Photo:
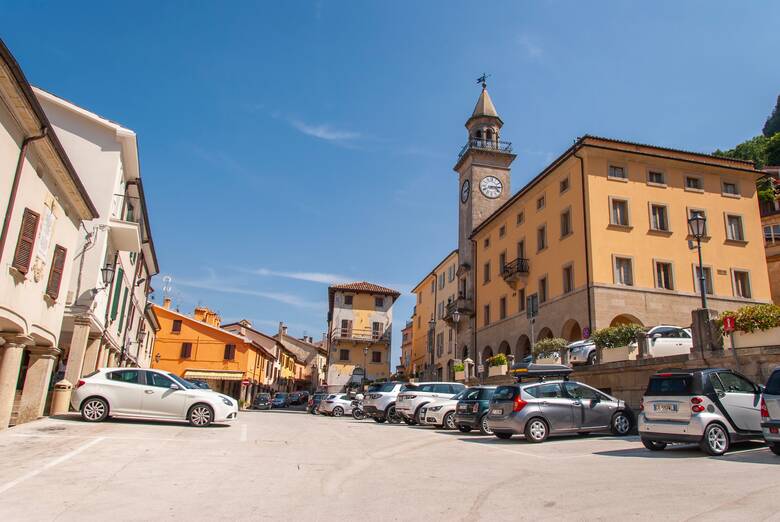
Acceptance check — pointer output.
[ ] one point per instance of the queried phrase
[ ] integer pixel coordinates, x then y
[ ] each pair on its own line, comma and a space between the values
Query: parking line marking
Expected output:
59, 460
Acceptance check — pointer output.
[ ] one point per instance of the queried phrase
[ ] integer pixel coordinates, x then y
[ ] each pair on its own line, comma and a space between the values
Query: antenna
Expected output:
167, 286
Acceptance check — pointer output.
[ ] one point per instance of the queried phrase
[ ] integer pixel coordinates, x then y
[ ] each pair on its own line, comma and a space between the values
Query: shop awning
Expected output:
216, 375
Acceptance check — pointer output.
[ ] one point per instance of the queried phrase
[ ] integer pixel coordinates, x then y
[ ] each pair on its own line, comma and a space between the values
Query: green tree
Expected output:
772, 125
773, 150
753, 150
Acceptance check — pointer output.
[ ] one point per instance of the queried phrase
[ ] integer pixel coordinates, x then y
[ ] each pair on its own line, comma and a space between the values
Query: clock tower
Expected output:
483, 169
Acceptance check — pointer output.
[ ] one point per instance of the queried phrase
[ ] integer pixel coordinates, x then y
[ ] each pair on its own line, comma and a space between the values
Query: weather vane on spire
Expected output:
483, 80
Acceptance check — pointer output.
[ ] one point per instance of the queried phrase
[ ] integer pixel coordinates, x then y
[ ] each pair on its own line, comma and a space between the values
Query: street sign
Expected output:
586, 333
480, 368
729, 323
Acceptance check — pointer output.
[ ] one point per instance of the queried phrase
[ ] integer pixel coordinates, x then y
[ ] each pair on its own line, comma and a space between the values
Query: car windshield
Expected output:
384, 387
773, 384
670, 385
504, 393
280, 396
408, 387
472, 394
184, 382
460, 395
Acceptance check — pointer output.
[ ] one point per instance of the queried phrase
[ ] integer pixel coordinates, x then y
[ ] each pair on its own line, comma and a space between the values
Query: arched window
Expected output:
478, 135
489, 134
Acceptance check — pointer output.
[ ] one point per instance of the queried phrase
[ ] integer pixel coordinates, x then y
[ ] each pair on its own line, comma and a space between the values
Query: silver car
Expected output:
557, 407
336, 405
712, 407
770, 412
582, 352
409, 403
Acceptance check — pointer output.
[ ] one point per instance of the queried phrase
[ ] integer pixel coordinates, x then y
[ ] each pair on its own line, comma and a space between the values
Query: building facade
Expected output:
268, 380
310, 356
360, 321
407, 336
43, 205
770, 221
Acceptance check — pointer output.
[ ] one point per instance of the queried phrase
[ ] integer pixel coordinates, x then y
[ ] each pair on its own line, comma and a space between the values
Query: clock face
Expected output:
465, 190
491, 187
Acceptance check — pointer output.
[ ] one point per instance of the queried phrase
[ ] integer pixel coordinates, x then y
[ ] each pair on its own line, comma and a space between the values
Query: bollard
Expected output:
60, 400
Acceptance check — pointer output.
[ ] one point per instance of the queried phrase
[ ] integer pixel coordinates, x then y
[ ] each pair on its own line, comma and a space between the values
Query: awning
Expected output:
217, 375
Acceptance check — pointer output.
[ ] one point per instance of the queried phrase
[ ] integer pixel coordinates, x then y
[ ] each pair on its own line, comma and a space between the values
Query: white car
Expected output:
582, 352
414, 396
154, 394
663, 340
336, 405
441, 412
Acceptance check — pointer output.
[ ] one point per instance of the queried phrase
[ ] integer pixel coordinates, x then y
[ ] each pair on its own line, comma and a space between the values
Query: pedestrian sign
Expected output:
729, 323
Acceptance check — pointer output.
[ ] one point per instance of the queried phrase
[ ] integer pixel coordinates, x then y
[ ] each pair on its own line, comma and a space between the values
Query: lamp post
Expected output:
456, 320
697, 226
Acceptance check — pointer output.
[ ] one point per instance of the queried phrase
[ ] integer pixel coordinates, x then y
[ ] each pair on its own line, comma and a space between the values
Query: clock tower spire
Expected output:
483, 169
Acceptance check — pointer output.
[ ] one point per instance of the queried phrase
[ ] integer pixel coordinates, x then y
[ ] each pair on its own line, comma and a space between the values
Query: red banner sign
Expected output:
729, 323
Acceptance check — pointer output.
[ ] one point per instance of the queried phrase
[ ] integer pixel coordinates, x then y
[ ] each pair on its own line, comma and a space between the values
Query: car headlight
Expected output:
227, 401
434, 408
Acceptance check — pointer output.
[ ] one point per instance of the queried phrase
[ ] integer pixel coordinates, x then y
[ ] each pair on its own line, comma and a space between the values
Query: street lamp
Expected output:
697, 226
107, 272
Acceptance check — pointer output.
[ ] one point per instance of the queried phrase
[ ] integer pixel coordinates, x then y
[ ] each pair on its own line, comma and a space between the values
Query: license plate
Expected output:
773, 430
665, 407
462, 407
496, 411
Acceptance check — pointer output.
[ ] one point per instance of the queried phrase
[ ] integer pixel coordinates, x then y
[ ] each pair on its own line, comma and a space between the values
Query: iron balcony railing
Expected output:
489, 145
360, 334
515, 269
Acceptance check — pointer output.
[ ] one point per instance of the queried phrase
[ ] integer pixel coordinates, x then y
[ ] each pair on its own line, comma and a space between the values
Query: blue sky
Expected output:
285, 145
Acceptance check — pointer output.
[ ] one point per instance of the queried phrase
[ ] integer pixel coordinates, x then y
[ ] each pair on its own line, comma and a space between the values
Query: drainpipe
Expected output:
15, 187
587, 243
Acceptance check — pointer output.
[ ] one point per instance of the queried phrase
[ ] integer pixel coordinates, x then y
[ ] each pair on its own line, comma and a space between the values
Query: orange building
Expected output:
196, 348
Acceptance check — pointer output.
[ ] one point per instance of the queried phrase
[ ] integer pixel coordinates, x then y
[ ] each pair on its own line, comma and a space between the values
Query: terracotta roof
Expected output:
363, 286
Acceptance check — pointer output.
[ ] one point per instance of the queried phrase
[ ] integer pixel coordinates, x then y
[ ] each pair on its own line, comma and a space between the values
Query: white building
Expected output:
106, 321
43, 204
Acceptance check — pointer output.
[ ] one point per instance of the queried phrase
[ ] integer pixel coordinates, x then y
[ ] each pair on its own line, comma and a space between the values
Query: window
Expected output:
230, 352
566, 223
346, 328
733, 383
348, 300
568, 279
734, 230
117, 293
502, 231
28, 230
540, 203
543, 289
186, 350
122, 313
564, 185
158, 380
376, 330
521, 249
693, 183
439, 344
379, 302
659, 219
486, 273
521, 300
656, 176
545, 391
624, 271
520, 218
541, 238
486, 314
376, 357
501, 262
694, 212
451, 273
55, 274
742, 284
502, 308
486, 242
730, 188
772, 234
442, 280
343, 355
617, 172
129, 376
619, 212
433, 285
176, 326
707, 279
663, 275
578, 391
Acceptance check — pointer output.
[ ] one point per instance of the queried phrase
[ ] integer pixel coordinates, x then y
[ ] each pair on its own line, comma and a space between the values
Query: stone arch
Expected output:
625, 319
571, 330
505, 348
544, 333
522, 348
487, 352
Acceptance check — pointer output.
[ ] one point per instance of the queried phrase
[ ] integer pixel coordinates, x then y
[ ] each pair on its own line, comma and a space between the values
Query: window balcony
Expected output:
462, 305
487, 145
125, 235
360, 335
515, 271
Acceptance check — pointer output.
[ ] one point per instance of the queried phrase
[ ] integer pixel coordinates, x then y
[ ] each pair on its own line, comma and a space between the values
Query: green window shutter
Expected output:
122, 315
117, 291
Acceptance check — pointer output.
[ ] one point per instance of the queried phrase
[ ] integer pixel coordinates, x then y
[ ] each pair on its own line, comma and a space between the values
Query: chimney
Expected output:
167, 303
200, 313
282, 329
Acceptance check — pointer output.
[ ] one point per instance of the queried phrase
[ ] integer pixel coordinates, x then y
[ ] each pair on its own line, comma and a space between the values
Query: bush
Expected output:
616, 336
549, 346
459, 367
498, 360
753, 318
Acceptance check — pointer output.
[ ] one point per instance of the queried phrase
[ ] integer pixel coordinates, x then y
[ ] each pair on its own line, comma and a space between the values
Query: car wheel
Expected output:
715, 440
418, 411
536, 430
379, 420
409, 422
591, 358
338, 411
775, 448
621, 424
94, 409
503, 436
392, 416
484, 427
200, 415
464, 429
653, 445
449, 421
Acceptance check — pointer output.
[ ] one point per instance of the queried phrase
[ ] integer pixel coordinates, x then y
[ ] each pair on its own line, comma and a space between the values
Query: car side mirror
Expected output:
175, 386
760, 388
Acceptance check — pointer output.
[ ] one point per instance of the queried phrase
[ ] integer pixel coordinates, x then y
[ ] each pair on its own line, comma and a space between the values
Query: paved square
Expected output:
287, 465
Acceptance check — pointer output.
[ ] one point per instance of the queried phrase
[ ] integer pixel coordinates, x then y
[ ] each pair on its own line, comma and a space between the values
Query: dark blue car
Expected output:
280, 400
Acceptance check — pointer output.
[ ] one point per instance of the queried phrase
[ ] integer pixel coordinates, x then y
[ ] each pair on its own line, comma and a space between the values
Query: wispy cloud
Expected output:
532, 49
324, 132
313, 277
215, 285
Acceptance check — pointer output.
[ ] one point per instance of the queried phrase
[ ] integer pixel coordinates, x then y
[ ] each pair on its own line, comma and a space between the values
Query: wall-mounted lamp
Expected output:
107, 272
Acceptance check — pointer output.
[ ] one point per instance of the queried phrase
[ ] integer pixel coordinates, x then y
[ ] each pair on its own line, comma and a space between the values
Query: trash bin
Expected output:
60, 400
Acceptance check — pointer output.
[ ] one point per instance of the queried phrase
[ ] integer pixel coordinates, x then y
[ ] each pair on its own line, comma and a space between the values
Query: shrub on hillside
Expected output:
616, 336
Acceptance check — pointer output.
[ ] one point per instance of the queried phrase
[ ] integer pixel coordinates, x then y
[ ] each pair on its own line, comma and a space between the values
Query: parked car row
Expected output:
713, 407
663, 340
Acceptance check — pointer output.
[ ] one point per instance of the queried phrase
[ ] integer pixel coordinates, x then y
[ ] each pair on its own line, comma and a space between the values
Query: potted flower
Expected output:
755, 325
548, 351
498, 365
460, 372
616, 343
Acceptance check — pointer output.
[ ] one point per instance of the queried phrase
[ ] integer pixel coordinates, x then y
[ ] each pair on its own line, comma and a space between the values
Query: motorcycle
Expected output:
357, 410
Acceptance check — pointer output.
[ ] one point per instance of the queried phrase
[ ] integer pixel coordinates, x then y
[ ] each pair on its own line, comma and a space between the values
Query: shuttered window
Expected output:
24, 246
186, 350
117, 293
122, 314
230, 352
55, 274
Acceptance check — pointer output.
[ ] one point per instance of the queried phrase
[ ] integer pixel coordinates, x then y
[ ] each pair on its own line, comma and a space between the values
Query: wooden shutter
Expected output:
24, 246
186, 350
230, 352
55, 274
117, 291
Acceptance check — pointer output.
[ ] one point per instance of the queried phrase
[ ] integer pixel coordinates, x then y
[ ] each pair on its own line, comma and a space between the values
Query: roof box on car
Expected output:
539, 371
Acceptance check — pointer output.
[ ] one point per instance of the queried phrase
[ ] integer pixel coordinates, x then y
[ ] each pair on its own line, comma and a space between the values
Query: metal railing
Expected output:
483, 144
462, 305
518, 267
360, 334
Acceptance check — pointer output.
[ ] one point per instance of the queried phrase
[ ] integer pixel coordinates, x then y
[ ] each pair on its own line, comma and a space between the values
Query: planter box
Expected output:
548, 359
624, 353
497, 370
460, 376
769, 337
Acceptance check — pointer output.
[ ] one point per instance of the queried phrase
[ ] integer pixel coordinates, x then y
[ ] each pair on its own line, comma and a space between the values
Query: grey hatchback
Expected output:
540, 409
